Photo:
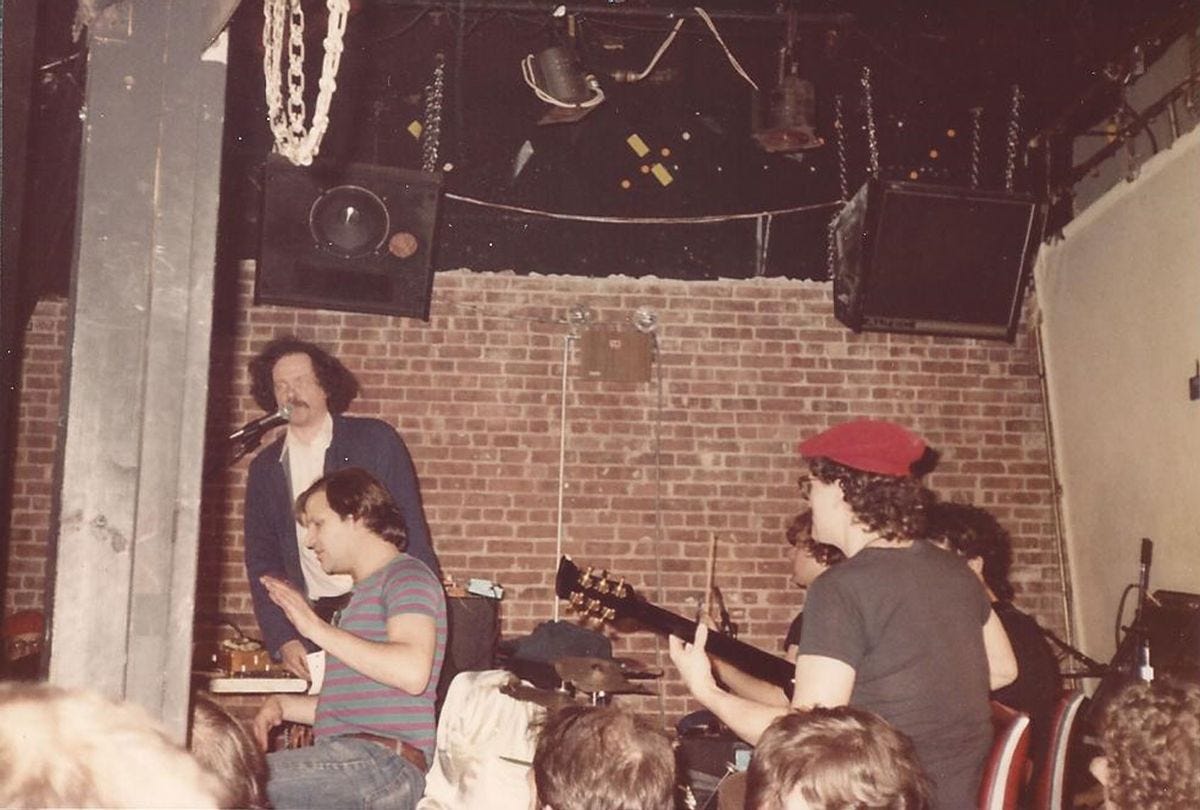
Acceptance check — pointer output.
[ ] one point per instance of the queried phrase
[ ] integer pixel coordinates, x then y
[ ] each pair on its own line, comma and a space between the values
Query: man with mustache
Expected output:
319, 439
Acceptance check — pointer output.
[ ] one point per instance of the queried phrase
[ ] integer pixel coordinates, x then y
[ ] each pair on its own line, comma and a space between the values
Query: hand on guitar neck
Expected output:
606, 599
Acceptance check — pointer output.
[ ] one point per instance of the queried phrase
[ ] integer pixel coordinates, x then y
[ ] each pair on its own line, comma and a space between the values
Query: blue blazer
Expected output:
270, 523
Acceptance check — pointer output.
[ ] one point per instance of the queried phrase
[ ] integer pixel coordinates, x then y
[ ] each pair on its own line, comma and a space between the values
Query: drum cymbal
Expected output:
548, 698
594, 675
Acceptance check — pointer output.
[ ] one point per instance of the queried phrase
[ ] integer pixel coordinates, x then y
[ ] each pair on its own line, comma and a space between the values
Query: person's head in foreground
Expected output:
1151, 739
864, 487
225, 749
834, 759
602, 758
66, 748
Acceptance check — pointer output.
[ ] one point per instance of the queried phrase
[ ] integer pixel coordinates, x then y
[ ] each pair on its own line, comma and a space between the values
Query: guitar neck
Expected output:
751, 660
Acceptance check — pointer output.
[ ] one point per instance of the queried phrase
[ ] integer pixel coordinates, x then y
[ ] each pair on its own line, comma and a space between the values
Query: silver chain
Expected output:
839, 131
1014, 132
976, 134
293, 138
872, 139
432, 131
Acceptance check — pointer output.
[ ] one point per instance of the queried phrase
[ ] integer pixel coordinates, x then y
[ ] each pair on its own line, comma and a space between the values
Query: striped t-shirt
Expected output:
352, 703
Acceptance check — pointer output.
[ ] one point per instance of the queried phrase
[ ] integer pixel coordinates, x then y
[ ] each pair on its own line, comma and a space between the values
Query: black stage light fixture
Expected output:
357, 239
917, 258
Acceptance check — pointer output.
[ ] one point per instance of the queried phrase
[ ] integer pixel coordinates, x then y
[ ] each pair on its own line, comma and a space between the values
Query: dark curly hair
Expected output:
799, 533
337, 381
891, 506
835, 757
975, 532
1151, 735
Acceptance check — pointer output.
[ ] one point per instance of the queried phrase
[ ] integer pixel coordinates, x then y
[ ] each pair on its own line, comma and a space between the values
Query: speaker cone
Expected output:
349, 221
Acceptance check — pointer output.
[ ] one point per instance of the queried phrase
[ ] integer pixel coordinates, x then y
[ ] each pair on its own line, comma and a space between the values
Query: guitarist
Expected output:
900, 628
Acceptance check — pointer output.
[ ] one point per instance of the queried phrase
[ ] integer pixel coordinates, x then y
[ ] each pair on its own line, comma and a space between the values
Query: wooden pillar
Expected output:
137, 380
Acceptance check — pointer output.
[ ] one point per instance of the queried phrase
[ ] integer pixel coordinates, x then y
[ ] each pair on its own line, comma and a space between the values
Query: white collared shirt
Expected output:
306, 463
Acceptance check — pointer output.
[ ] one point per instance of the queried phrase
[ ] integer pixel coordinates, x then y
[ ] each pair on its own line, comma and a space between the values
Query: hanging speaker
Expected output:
357, 238
916, 258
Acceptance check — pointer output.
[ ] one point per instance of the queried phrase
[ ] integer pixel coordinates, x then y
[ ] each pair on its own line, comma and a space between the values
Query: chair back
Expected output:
1000, 788
1052, 771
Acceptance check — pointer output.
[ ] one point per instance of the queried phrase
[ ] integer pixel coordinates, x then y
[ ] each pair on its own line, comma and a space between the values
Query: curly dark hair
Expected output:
337, 381
891, 506
799, 533
353, 492
1151, 737
836, 757
975, 532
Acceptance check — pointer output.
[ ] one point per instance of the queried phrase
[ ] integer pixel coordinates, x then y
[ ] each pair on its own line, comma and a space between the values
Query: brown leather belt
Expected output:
399, 747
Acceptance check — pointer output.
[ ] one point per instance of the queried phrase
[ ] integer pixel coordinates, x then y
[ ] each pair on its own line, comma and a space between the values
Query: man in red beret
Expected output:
901, 628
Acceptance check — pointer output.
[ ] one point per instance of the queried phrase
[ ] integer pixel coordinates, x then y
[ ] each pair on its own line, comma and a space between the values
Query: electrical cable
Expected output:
728, 54
696, 220
1120, 613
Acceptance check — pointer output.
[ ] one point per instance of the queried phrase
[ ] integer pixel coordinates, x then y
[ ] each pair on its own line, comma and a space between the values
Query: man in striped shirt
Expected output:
374, 720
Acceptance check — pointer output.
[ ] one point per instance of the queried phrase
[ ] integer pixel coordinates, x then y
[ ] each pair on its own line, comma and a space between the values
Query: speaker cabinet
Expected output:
357, 239
916, 258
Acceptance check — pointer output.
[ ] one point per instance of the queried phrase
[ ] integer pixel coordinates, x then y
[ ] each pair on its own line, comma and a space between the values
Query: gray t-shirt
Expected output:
910, 622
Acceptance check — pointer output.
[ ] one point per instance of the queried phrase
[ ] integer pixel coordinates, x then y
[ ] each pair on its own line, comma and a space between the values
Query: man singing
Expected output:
319, 440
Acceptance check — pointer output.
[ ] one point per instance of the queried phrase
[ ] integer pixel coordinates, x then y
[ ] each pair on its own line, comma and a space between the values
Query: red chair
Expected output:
1002, 776
1052, 771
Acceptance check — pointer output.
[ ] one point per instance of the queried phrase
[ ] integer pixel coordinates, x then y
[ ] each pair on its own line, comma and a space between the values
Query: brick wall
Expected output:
744, 369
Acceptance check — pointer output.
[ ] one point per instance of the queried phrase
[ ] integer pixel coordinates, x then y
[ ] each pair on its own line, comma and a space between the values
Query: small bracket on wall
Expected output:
1194, 384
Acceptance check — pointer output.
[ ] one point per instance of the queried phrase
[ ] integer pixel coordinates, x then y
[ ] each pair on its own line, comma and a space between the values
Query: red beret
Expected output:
869, 445
23, 623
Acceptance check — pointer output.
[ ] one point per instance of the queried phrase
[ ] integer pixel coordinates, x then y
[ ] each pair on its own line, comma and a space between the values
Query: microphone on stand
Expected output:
256, 427
1143, 585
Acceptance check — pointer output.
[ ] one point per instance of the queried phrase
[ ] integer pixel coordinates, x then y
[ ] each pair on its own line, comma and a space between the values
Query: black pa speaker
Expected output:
917, 258
357, 238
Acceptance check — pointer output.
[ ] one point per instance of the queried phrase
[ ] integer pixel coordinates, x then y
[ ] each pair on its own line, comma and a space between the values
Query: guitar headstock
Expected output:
594, 594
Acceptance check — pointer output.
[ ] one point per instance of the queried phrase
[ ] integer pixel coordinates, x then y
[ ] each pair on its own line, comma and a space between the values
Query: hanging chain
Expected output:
432, 130
1014, 132
293, 139
872, 139
976, 135
839, 130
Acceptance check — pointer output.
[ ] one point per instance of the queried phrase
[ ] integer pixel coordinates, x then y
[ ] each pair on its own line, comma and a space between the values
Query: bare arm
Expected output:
404, 661
747, 718
822, 681
277, 709
1002, 664
745, 685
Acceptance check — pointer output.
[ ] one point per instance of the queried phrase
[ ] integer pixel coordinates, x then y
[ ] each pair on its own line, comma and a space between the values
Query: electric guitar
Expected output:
600, 597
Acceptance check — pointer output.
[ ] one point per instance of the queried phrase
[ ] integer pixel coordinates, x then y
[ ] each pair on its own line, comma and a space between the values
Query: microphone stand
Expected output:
232, 452
1092, 667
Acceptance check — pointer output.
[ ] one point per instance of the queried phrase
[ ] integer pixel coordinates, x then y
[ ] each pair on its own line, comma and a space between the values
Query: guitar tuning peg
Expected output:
576, 598
586, 576
608, 615
603, 586
593, 606
620, 590
604, 573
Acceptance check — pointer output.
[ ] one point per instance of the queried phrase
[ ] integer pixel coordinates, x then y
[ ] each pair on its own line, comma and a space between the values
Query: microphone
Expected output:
262, 424
1143, 584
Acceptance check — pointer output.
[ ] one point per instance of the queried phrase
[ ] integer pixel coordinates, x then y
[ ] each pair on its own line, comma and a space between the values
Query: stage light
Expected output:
557, 78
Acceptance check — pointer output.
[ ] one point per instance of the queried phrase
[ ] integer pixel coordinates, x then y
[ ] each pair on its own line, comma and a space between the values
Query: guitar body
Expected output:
605, 599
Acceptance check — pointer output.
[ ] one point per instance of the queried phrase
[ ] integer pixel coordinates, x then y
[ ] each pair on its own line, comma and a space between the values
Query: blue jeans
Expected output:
340, 772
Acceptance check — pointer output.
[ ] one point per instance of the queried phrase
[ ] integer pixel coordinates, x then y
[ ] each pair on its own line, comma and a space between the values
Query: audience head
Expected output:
225, 749
336, 381
64, 748
810, 558
1151, 739
603, 758
978, 536
827, 758
353, 493
872, 468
